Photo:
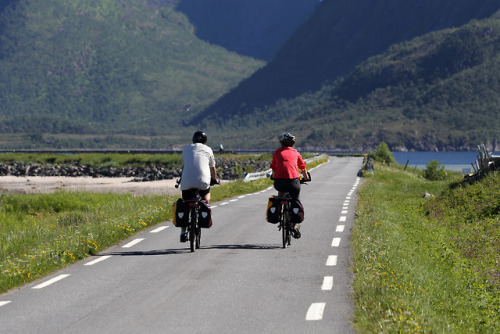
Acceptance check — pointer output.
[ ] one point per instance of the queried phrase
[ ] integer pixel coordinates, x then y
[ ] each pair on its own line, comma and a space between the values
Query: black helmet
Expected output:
287, 139
200, 137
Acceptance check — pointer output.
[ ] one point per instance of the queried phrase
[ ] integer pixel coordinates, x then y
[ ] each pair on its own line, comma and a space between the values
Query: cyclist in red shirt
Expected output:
285, 165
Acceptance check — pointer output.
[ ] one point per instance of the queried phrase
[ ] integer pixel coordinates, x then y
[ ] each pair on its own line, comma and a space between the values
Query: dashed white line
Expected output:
159, 229
133, 243
340, 228
49, 282
348, 197
233, 200
224, 203
345, 208
240, 197
336, 242
344, 212
342, 218
213, 206
102, 258
327, 283
331, 261
315, 311
2, 303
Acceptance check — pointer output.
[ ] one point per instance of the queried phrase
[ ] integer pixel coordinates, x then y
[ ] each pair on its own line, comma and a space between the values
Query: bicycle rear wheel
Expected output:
198, 237
192, 231
285, 229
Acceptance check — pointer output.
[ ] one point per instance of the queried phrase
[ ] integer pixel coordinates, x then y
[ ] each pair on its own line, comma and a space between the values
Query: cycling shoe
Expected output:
296, 231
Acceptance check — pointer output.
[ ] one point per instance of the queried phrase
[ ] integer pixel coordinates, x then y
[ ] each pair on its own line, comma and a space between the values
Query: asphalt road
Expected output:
240, 281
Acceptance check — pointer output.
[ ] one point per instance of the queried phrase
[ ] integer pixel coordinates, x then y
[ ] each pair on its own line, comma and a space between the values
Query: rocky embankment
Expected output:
227, 169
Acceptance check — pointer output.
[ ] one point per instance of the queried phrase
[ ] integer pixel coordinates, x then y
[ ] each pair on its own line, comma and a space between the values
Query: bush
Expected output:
382, 154
434, 171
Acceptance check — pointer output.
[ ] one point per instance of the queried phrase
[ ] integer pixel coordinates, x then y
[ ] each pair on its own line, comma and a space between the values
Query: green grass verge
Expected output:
426, 264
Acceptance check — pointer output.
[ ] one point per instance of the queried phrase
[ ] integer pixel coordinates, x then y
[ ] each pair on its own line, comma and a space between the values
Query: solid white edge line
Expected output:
159, 229
340, 228
315, 311
133, 243
49, 282
3, 303
336, 242
102, 258
332, 260
327, 283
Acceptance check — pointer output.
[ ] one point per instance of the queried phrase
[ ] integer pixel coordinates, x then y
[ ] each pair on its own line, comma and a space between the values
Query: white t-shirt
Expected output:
197, 159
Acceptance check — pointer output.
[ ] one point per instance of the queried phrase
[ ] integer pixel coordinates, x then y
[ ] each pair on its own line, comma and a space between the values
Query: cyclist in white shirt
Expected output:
198, 171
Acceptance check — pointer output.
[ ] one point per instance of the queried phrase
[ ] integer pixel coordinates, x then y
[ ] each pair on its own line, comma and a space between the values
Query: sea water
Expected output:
459, 161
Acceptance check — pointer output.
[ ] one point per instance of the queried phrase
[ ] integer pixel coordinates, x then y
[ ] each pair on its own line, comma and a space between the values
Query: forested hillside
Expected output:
336, 38
256, 28
105, 67
440, 91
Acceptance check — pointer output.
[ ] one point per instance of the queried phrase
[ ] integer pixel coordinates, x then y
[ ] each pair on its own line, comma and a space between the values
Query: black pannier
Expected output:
273, 210
181, 213
297, 215
204, 214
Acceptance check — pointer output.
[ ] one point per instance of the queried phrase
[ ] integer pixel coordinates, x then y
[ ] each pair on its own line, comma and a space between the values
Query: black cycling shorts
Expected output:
191, 193
291, 186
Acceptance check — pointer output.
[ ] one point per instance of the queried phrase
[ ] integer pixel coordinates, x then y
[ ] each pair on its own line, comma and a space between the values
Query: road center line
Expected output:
315, 311
49, 282
102, 258
159, 229
327, 283
336, 242
332, 261
2, 303
340, 228
133, 243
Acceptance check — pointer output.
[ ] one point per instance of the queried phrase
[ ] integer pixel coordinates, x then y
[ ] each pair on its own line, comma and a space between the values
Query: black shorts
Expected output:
191, 193
291, 186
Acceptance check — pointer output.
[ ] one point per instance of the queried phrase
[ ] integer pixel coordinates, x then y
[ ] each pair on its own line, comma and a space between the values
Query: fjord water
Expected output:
460, 161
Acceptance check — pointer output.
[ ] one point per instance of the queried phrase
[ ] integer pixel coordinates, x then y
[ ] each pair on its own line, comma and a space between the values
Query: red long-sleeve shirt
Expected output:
285, 163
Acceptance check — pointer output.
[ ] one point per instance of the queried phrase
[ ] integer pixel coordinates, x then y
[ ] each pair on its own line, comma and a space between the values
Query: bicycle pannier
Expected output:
297, 215
204, 214
272, 212
181, 213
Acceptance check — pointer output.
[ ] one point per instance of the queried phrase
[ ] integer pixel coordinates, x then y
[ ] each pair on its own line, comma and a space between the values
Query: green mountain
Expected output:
104, 67
439, 91
335, 39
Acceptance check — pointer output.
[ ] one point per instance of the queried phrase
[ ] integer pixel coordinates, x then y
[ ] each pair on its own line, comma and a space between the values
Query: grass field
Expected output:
426, 265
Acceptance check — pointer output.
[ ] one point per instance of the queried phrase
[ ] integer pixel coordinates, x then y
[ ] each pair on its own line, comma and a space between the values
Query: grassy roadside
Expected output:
426, 264
40, 233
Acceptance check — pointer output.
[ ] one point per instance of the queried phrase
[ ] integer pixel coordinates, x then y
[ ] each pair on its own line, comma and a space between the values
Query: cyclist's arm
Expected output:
213, 173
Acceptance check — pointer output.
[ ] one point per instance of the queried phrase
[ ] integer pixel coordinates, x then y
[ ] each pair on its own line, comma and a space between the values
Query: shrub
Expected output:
382, 154
434, 171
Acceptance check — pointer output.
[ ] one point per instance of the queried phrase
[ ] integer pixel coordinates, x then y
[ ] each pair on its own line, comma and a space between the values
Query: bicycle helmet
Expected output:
200, 137
287, 139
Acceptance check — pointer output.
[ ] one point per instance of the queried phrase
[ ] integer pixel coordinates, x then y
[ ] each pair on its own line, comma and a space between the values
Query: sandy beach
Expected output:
49, 184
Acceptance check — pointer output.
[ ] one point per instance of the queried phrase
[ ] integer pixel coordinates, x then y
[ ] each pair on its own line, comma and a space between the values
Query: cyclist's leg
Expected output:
205, 194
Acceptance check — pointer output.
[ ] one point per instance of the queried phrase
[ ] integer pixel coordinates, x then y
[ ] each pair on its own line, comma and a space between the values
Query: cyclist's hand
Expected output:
213, 182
